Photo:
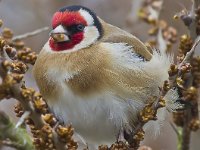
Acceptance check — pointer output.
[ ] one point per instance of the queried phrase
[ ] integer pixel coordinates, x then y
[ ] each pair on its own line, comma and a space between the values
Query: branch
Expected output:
189, 54
30, 34
148, 113
16, 93
191, 20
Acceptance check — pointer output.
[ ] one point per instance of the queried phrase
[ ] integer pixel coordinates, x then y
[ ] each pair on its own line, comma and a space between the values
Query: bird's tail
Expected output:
155, 127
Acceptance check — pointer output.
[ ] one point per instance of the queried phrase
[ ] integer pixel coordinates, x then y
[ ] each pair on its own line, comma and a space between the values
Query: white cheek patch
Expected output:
87, 17
91, 35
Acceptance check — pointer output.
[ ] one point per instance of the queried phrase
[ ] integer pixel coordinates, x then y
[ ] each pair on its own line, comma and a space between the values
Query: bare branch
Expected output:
30, 34
22, 119
190, 53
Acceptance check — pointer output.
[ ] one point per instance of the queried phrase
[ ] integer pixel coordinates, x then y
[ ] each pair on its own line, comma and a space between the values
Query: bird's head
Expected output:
74, 28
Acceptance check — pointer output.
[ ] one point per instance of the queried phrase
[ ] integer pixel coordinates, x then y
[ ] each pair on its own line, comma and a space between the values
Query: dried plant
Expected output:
185, 74
15, 58
48, 133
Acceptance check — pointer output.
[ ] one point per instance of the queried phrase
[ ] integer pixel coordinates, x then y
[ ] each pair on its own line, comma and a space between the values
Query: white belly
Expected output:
97, 119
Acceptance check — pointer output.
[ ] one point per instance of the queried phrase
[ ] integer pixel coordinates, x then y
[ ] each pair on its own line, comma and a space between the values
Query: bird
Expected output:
97, 76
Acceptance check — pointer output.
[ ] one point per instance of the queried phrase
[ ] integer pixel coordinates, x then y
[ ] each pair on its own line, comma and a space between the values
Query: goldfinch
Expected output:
96, 76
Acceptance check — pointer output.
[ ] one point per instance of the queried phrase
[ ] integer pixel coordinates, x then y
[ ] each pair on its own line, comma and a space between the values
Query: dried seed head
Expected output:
9, 81
10, 51
175, 17
49, 118
6, 65
26, 55
148, 113
18, 44
191, 94
119, 146
103, 147
151, 43
2, 42
19, 67
185, 44
170, 34
145, 148
153, 31
139, 136
65, 131
161, 103
1, 23
27, 93
179, 82
18, 109
142, 14
194, 124
173, 70
17, 77
166, 86
185, 68
196, 71
29, 121
39, 104
7, 33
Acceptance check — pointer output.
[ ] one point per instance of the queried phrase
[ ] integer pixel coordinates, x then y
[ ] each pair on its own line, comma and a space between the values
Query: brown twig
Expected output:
16, 93
186, 132
191, 21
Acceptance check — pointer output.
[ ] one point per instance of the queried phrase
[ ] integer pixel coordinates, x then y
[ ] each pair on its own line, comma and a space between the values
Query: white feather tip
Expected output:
171, 100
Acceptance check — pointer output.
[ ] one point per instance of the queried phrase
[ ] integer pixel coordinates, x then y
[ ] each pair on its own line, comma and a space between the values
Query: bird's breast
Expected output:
96, 118
74, 102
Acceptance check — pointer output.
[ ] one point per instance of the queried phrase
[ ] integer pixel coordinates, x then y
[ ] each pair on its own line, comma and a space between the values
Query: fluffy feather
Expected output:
139, 79
107, 112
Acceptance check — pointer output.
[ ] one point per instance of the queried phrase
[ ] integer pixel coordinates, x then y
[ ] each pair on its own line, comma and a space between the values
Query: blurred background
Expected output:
27, 15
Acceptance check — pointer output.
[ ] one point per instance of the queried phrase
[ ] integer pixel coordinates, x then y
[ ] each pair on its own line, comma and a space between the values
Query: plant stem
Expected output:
180, 134
186, 132
18, 137
30, 34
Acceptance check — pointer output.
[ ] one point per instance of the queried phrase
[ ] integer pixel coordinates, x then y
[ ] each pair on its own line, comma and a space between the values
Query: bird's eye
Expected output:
80, 27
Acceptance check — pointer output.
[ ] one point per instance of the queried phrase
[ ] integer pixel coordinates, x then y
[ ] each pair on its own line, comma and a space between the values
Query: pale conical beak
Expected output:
59, 34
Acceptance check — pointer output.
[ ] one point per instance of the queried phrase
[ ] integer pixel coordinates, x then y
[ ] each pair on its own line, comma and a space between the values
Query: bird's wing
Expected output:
132, 77
135, 72
116, 35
